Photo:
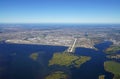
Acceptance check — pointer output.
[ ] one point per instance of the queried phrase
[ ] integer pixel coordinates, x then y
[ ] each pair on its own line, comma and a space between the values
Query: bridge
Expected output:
71, 48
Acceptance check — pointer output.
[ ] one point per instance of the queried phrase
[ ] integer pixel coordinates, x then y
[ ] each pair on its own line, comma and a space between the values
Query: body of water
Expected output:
18, 65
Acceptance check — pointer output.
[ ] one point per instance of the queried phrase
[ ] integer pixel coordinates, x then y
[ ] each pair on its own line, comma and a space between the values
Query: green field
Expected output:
57, 75
101, 77
66, 59
34, 56
112, 49
113, 67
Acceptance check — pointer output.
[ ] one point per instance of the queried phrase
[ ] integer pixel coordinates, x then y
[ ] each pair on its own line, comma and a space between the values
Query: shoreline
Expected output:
47, 45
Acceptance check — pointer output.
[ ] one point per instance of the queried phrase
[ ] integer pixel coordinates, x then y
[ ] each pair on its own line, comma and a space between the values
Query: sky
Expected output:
60, 11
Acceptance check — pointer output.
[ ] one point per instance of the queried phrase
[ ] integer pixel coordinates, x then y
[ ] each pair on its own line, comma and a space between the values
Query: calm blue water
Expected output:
95, 67
20, 66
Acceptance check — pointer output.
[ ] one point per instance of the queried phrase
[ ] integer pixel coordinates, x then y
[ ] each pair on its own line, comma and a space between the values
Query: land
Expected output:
67, 59
57, 75
101, 77
70, 35
112, 52
59, 34
112, 49
113, 67
114, 56
34, 56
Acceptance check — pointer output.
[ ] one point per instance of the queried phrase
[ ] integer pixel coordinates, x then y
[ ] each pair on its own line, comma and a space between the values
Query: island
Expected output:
101, 77
34, 56
112, 49
57, 75
67, 59
113, 67
114, 56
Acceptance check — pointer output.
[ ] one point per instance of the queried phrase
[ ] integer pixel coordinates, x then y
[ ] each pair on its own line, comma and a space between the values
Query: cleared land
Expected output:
34, 56
113, 67
66, 59
112, 49
57, 75
102, 77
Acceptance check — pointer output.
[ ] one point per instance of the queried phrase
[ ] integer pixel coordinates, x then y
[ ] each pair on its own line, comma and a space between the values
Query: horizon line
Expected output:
51, 23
